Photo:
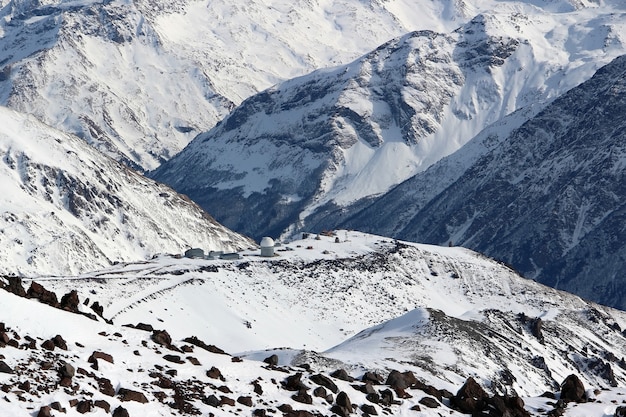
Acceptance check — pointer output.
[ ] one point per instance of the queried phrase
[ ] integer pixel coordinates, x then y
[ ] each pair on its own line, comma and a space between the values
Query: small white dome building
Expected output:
267, 247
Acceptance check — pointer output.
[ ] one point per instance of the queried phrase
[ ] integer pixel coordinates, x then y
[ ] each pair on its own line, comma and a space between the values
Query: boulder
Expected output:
14, 286
100, 355
212, 400
471, 398
59, 342
343, 405
325, 382
67, 371
302, 397
271, 360
45, 411
84, 406
320, 392
103, 405
215, 373
120, 412
342, 374
162, 337
245, 400
209, 348
37, 291
174, 359
372, 377
294, 383
572, 389
70, 301
400, 380
429, 402
369, 410
130, 395
105, 386
5, 369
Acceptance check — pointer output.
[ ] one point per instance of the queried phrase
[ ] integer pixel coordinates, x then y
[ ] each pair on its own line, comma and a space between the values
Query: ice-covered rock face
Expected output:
67, 209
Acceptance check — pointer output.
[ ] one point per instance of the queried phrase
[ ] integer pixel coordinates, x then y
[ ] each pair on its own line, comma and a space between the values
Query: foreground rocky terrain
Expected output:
481, 338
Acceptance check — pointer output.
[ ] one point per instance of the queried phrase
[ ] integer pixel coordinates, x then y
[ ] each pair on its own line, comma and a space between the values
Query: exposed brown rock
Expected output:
173, 359
105, 387
342, 374
120, 412
372, 377
100, 355
37, 291
325, 382
302, 397
15, 286
70, 301
572, 389
126, 394
227, 401
369, 410
59, 342
210, 348
215, 373
343, 405
84, 406
67, 371
429, 402
245, 400
470, 398
294, 383
103, 404
5, 369
45, 411
271, 360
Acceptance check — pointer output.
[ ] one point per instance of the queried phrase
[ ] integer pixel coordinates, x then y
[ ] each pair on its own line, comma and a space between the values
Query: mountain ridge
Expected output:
67, 208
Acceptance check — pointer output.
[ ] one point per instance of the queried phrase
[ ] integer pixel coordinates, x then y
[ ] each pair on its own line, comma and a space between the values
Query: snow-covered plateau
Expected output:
346, 301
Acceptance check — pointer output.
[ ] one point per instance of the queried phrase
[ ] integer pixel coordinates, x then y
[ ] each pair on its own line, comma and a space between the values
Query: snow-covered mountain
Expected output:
440, 314
303, 148
549, 199
140, 79
66, 208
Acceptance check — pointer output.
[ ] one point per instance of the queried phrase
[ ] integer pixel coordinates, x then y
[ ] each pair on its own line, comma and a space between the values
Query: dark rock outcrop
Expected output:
572, 389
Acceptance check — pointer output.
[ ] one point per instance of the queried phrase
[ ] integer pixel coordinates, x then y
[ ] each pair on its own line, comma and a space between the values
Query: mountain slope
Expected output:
547, 200
140, 79
454, 313
326, 140
66, 208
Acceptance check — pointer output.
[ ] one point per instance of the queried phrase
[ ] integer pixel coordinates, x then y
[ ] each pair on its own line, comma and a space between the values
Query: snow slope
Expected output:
462, 314
199, 382
65, 208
